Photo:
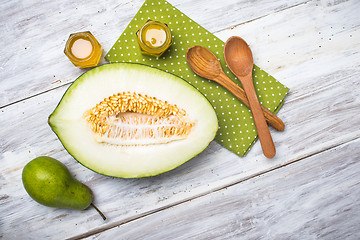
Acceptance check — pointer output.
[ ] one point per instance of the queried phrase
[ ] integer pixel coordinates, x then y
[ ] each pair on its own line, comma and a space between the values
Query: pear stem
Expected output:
101, 214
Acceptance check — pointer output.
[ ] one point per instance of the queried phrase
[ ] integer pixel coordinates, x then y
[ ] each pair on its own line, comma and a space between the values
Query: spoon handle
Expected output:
266, 141
270, 117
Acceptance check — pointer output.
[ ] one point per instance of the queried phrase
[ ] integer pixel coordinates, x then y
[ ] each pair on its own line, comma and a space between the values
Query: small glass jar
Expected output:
154, 38
83, 49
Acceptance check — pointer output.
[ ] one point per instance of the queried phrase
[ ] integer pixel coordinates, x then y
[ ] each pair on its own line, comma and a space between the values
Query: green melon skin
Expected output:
49, 182
131, 161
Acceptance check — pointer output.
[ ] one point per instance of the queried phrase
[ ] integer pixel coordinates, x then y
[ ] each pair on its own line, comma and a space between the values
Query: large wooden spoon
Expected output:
205, 64
239, 59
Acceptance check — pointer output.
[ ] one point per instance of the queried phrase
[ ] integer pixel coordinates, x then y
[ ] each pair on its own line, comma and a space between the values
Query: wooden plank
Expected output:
315, 120
33, 61
316, 198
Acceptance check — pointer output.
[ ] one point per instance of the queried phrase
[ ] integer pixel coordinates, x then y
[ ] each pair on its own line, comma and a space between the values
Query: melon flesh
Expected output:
141, 156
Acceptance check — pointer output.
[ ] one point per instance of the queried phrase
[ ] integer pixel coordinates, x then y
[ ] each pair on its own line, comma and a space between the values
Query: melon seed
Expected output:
136, 119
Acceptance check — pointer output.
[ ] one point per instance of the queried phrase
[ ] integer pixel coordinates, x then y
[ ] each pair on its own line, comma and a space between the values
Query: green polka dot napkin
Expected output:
237, 131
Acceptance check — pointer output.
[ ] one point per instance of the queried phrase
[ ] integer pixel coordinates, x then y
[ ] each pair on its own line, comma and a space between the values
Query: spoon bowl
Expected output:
239, 55
239, 59
203, 62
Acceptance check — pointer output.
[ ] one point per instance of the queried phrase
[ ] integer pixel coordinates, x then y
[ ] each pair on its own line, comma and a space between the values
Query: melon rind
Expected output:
131, 161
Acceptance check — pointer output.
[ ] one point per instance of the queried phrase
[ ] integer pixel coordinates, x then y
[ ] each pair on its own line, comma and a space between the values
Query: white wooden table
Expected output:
310, 190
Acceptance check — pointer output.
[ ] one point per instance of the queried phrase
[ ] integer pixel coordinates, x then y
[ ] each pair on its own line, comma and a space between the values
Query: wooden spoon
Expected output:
239, 59
205, 64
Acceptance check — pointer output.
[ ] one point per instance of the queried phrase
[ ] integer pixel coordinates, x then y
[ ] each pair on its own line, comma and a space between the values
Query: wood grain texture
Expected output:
35, 32
316, 198
321, 113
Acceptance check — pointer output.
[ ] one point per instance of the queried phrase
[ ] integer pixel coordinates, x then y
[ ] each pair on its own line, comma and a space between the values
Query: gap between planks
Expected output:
350, 138
263, 16
35, 95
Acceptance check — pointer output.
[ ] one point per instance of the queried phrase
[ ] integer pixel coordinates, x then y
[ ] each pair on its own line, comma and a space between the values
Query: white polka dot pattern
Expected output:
237, 131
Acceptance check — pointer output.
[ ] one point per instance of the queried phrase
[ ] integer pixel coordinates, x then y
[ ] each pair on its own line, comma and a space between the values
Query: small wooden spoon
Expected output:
238, 57
205, 64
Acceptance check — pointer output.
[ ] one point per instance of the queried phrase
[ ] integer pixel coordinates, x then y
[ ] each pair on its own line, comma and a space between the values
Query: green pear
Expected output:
49, 182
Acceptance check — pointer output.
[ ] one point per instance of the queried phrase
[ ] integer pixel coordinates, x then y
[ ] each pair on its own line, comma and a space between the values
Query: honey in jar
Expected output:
154, 38
83, 49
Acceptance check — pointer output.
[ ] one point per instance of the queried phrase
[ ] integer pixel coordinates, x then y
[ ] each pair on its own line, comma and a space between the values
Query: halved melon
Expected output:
129, 120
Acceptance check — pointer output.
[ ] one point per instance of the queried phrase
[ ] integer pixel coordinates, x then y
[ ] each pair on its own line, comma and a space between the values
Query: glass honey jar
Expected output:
154, 38
83, 49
